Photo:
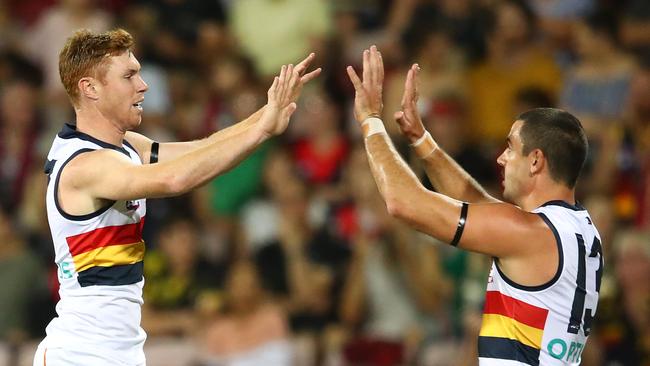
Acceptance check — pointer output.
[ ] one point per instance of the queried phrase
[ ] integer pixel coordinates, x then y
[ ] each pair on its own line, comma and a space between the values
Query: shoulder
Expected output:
504, 230
86, 163
88, 158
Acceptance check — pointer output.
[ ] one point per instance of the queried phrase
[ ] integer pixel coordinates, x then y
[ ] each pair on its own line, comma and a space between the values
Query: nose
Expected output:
143, 85
501, 160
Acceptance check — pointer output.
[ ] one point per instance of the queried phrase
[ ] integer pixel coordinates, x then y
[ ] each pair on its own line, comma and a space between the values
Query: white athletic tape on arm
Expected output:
425, 145
372, 126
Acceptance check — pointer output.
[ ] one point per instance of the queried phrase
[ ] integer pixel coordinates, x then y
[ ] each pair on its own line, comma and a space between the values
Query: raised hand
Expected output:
368, 93
408, 119
284, 93
280, 105
300, 68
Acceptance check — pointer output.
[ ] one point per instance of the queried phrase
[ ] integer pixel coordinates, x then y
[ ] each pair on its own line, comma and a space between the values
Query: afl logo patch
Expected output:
132, 205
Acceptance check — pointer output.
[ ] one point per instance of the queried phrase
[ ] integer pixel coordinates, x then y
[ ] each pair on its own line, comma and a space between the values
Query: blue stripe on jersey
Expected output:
507, 349
125, 274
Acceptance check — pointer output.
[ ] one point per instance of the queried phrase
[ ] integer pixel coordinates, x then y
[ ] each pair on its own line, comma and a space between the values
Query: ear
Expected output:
88, 88
537, 161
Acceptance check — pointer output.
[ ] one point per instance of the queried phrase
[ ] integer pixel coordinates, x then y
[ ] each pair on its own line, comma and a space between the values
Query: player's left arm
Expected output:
498, 229
167, 151
171, 150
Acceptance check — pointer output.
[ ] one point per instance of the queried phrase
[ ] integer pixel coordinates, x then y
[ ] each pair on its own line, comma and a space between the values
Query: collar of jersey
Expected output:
576, 207
69, 131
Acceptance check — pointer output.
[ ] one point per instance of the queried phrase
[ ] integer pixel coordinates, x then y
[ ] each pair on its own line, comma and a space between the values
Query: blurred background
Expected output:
291, 258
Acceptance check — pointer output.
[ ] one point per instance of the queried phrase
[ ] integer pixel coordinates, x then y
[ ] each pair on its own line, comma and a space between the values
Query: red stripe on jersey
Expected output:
498, 303
105, 236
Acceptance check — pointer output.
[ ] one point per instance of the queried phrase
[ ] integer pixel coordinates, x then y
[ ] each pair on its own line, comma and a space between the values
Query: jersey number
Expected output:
581, 286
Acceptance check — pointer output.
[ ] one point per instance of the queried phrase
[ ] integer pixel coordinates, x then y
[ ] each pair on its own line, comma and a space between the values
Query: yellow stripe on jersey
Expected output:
495, 325
109, 256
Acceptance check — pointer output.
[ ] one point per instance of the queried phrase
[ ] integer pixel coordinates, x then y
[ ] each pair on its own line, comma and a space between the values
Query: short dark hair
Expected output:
560, 136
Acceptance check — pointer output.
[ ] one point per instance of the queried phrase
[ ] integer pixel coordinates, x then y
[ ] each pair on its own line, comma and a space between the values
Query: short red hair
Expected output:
86, 54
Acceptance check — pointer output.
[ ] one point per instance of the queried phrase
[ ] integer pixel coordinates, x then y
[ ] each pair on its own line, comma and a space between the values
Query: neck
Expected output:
92, 123
551, 192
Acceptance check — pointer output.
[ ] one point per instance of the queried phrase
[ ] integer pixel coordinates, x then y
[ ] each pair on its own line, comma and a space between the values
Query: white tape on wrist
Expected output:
424, 146
371, 126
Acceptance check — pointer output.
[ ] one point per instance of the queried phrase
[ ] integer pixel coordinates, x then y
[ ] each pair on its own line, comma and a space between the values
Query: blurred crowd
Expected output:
291, 258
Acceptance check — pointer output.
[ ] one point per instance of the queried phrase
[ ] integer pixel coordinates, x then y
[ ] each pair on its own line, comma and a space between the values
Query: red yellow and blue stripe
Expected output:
512, 329
109, 255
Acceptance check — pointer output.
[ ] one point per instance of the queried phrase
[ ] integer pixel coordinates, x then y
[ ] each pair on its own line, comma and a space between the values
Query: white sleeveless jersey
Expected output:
546, 325
99, 259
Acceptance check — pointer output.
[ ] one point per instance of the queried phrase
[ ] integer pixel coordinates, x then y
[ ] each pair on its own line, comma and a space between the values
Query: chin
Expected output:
507, 196
134, 124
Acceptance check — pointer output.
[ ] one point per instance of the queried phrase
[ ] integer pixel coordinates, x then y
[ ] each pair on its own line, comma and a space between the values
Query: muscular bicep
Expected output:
497, 229
503, 230
108, 174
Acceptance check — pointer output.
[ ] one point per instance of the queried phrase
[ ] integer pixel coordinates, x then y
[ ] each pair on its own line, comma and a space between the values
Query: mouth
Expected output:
138, 105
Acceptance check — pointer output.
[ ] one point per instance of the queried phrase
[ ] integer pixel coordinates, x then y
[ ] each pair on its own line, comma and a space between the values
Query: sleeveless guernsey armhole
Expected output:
560, 267
56, 193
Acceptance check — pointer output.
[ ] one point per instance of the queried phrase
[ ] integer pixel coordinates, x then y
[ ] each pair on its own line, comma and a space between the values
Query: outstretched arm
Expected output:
108, 175
445, 174
494, 228
171, 150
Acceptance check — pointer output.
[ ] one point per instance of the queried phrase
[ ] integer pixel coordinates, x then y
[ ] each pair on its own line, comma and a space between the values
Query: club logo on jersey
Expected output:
132, 205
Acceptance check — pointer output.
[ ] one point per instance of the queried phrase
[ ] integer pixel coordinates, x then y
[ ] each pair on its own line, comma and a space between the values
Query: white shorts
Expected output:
58, 356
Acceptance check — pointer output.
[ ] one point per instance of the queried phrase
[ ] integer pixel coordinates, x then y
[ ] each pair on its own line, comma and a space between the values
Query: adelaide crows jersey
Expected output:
99, 259
548, 324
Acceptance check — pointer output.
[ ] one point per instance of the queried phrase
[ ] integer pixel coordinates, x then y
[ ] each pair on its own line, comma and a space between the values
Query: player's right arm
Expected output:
109, 175
445, 174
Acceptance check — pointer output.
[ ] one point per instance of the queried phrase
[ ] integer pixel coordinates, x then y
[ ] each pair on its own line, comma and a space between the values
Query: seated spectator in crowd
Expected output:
596, 89
635, 25
177, 280
22, 285
442, 71
301, 265
250, 329
320, 148
19, 132
623, 329
44, 40
448, 120
514, 60
633, 183
394, 293
556, 20
277, 32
